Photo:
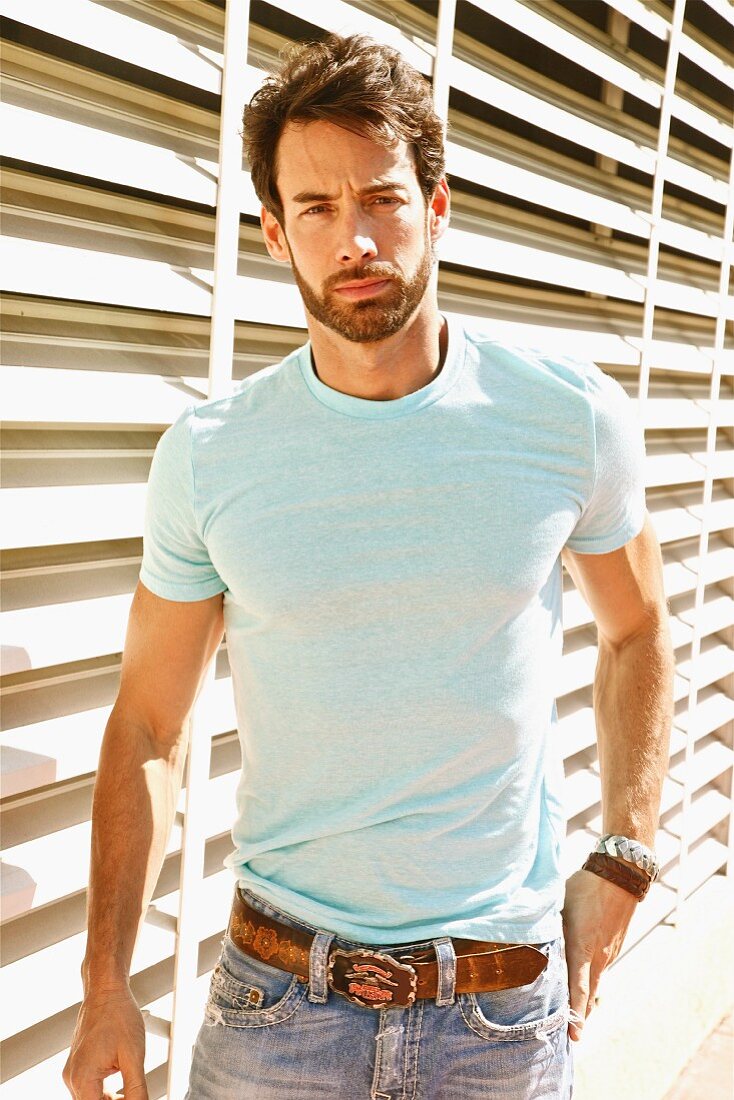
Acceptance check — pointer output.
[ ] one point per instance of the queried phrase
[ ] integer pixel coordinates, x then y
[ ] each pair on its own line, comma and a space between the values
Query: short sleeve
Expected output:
176, 564
615, 509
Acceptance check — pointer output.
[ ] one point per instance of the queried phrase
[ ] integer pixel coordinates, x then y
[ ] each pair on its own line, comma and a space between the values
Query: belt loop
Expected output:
446, 958
318, 990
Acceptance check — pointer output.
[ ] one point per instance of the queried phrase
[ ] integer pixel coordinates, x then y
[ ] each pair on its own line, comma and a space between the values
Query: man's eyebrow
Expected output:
320, 196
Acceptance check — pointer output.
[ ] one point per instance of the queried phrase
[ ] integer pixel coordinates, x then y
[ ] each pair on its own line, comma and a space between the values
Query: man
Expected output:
378, 522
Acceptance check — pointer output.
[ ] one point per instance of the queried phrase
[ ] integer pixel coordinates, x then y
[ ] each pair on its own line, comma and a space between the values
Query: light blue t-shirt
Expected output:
392, 598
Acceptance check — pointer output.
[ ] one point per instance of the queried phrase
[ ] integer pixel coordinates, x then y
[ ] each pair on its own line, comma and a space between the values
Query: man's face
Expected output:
357, 230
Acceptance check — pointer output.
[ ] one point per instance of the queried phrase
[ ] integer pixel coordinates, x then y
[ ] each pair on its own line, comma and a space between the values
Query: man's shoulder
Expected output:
262, 389
535, 364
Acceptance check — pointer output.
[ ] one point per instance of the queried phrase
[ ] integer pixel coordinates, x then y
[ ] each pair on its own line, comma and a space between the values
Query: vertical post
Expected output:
710, 461
186, 1009
656, 209
656, 206
229, 197
442, 60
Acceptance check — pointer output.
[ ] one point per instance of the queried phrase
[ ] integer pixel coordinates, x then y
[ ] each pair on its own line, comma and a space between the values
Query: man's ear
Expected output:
439, 210
275, 240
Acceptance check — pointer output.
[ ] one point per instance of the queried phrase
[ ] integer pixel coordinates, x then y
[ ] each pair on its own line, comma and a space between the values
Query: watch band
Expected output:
631, 851
634, 881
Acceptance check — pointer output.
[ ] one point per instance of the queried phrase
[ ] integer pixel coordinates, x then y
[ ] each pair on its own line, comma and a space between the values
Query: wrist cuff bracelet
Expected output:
634, 881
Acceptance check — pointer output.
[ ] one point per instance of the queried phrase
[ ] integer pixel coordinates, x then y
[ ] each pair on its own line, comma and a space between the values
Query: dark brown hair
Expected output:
355, 83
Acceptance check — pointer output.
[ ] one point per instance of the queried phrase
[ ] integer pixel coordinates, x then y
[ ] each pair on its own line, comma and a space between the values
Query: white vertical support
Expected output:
229, 195
186, 1015
656, 206
710, 460
656, 209
442, 61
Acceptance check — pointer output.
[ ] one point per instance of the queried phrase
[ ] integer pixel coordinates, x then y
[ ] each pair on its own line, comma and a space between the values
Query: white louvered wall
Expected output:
571, 228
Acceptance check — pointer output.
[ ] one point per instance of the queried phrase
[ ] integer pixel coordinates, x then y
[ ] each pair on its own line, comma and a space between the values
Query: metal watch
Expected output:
631, 851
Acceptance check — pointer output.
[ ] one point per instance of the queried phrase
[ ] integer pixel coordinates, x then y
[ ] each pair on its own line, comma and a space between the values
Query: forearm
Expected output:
633, 707
135, 795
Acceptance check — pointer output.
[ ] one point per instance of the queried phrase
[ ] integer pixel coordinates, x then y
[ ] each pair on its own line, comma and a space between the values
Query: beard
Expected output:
371, 319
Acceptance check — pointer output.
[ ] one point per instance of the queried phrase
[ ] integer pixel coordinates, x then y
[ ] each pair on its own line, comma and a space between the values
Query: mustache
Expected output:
354, 274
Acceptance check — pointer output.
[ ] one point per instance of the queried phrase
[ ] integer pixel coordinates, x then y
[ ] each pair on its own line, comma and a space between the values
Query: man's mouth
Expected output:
362, 288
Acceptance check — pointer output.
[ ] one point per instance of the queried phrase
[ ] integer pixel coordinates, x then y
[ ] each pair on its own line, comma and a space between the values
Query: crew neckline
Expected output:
399, 406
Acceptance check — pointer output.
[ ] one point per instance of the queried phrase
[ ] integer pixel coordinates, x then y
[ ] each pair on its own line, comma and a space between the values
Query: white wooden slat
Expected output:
703, 861
59, 271
589, 202
639, 12
709, 761
22, 978
58, 862
706, 811
582, 129
73, 631
50, 141
123, 37
514, 252
46, 396
66, 747
545, 27
678, 411
706, 59
70, 514
44, 1078
714, 708
66, 146
55, 270
724, 8
343, 18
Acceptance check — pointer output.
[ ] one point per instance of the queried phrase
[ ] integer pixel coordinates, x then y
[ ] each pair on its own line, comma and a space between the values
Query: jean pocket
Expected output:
524, 1012
246, 992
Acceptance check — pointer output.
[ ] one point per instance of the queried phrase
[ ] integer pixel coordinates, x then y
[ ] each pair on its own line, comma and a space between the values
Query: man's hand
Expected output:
109, 1036
596, 914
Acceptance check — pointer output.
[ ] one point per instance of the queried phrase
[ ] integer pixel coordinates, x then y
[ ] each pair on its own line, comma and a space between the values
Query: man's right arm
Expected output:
168, 646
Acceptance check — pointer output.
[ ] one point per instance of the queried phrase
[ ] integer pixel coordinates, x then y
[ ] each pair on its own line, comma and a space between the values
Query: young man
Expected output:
378, 522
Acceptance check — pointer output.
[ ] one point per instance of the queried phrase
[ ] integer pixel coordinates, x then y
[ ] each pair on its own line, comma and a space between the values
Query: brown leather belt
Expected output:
376, 979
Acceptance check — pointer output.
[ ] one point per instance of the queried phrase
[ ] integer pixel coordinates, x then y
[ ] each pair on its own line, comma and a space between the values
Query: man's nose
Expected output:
356, 244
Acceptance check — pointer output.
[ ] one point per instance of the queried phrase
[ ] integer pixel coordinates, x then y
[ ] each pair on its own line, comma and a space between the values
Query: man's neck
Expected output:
385, 370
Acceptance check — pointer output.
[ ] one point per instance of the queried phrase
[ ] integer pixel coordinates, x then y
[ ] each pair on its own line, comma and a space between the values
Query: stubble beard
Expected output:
371, 319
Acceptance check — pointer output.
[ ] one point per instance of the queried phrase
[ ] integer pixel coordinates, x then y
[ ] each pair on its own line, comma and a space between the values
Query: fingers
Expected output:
579, 997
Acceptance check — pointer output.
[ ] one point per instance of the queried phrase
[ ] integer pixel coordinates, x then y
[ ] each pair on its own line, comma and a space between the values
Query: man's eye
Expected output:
385, 199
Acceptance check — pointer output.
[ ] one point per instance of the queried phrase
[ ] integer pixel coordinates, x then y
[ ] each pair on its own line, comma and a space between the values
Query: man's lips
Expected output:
362, 288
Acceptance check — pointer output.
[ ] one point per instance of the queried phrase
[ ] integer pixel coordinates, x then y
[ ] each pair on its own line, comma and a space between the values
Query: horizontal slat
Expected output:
705, 813
546, 26
334, 15
125, 38
581, 126
68, 746
21, 979
57, 864
42, 397
710, 760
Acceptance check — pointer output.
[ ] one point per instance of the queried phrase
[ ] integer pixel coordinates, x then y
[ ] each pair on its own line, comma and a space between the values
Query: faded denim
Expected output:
267, 1035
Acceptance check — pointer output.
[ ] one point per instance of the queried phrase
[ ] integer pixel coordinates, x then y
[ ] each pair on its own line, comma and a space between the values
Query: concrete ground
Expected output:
710, 1073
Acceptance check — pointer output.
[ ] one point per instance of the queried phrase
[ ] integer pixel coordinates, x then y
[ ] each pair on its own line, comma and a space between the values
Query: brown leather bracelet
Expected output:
630, 878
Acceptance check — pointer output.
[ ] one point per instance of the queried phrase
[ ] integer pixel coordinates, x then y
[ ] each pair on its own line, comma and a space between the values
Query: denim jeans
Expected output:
267, 1035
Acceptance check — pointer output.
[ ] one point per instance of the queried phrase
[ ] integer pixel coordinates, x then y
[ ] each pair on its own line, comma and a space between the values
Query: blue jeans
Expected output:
268, 1036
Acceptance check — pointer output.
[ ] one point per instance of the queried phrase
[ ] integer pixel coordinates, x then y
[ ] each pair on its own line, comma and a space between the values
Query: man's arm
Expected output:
633, 709
168, 647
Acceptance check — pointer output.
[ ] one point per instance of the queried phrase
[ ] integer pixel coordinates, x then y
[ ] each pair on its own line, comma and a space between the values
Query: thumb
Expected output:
134, 1085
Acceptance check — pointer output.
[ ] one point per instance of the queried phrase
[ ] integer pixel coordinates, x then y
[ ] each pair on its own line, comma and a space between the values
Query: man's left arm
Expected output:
633, 708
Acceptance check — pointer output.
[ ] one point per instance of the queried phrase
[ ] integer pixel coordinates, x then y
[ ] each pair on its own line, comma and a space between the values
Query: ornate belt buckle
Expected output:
371, 979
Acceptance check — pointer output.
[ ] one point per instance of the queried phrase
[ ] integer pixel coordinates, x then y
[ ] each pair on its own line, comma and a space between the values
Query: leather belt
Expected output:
379, 979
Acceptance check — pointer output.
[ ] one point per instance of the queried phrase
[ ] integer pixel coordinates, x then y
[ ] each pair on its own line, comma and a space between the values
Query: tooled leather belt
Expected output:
377, 979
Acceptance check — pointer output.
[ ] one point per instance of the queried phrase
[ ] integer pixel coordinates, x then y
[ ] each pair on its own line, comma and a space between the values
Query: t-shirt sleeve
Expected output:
176, 564
615, 509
